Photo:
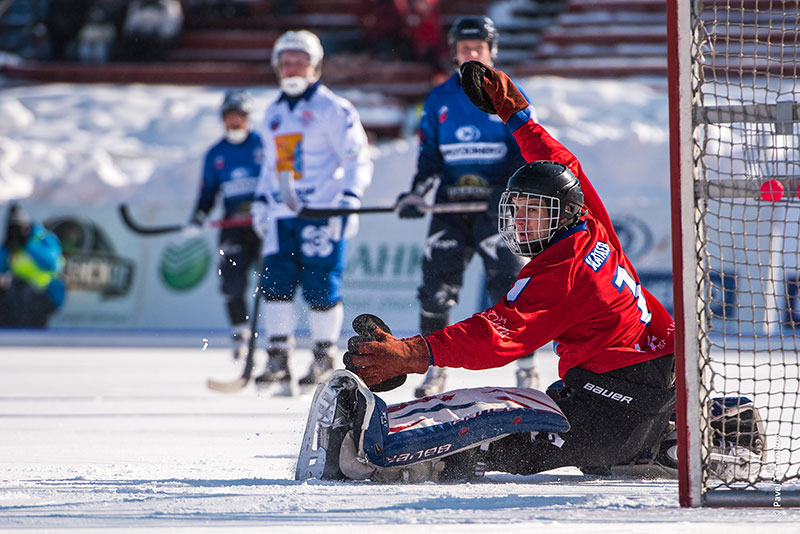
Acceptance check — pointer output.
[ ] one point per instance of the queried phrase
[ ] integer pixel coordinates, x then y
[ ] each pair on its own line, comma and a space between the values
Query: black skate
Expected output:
434, 383
321, 367
738, 452
276, 379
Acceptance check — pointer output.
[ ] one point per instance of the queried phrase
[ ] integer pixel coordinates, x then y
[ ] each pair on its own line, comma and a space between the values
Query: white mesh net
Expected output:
746, 150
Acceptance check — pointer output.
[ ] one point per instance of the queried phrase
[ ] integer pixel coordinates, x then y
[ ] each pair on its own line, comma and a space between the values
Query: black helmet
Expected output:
542, 200
473, 27
237, 100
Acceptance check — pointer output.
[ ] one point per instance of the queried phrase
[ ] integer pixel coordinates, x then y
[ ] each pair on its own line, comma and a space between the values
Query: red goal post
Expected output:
735, 187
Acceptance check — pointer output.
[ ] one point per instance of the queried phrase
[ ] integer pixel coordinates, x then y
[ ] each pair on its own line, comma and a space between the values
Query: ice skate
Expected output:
321, 368
434, 383
738, 453
337, 408
528, 378
276, 379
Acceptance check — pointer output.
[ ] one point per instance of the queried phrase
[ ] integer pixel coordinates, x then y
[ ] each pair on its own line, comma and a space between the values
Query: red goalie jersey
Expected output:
581, 292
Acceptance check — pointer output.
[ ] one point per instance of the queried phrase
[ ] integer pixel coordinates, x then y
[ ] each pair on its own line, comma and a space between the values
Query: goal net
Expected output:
735, 157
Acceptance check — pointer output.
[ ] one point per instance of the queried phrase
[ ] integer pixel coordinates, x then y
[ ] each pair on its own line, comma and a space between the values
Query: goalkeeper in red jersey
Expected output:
613, 338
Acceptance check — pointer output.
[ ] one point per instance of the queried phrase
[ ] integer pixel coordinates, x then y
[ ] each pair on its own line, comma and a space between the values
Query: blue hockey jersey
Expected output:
233, 171
469, 150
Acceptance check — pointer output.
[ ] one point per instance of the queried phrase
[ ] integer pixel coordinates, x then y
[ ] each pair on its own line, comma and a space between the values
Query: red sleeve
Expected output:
529, 316
536, 143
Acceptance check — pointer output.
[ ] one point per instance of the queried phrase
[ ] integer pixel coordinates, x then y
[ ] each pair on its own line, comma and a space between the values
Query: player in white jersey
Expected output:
318, 137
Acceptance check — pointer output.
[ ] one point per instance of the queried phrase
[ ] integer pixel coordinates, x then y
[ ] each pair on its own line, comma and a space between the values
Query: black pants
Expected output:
453, 239
241, 248
22, 305
613, 417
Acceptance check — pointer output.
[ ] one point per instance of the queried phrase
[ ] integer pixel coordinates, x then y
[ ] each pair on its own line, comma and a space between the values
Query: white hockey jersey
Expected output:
322, 142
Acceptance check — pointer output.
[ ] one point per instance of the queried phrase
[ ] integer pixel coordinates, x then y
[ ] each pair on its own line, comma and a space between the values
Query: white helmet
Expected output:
302, 40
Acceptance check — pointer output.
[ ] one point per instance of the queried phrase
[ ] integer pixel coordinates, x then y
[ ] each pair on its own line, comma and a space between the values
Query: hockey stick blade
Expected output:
231, 386
133, 225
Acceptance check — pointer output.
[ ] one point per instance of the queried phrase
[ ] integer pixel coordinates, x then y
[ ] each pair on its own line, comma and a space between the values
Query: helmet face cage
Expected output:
528, 221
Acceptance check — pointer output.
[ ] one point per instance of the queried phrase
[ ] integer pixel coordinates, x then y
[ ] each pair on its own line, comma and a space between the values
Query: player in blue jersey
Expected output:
471, 154
231, 170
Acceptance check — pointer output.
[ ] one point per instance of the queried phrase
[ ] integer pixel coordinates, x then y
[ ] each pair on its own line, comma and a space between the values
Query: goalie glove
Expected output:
367, 326
491, 90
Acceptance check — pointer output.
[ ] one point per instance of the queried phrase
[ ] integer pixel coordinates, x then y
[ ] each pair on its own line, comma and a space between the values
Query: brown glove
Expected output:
491, 90
386, 357
365, 326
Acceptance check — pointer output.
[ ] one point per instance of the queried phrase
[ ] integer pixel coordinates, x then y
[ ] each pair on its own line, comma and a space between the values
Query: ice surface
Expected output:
100, 440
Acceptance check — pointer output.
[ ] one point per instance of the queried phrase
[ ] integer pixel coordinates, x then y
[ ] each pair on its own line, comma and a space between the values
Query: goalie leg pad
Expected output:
441, 425
385, 441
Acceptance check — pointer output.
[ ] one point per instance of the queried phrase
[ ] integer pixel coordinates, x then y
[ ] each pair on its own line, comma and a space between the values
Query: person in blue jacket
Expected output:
230, 170
31, 263
470, 154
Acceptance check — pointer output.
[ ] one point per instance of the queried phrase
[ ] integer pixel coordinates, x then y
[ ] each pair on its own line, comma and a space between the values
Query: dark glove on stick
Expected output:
408, 205
491, 90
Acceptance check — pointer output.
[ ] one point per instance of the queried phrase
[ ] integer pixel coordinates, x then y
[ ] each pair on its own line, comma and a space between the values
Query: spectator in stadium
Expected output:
471, 155
98, 36
63, 20
614, 339
231, 168
30, 267
422, 28
151, 28
381, 27
318, 138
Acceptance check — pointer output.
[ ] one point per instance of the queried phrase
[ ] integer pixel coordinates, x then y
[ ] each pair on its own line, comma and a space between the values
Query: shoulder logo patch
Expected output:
598, 256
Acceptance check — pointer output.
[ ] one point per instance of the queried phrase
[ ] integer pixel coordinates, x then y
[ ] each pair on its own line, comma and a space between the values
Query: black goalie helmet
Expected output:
473, 27
542, 200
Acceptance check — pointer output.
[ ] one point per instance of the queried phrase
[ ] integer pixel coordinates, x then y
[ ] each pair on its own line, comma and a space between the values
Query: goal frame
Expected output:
685, 280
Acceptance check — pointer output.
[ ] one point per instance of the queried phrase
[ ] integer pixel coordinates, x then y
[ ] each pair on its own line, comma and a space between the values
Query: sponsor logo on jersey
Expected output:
468, 133
219, 163
598, 256
497, 321
603, 392
289, 149
458, 152
244, 186
435, 241
469, 186
307, 117
275, 123
442, 114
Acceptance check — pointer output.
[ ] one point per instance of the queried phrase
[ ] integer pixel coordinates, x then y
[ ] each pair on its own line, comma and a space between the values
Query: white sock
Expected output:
327, 325
280, 319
